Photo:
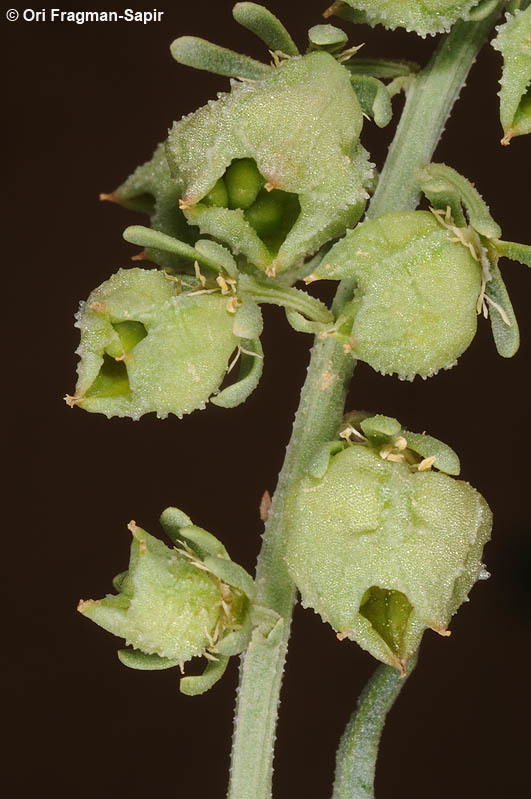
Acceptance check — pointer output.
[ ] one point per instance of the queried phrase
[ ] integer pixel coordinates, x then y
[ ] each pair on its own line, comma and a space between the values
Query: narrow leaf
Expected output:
515, 251
502, 318
266, 26
373, 98
200, 54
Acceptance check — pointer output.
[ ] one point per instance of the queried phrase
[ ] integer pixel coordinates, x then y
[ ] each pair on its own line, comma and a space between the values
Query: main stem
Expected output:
317, 421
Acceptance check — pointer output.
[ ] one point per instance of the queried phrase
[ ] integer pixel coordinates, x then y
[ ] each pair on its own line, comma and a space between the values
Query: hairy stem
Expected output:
322, 400
358, 748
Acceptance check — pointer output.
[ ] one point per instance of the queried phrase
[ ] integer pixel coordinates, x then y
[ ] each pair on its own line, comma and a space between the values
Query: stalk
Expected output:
358, 748
428, 105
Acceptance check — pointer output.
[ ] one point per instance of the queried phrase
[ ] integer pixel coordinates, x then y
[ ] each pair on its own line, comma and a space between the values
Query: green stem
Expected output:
428, 106
320, 412
358, 748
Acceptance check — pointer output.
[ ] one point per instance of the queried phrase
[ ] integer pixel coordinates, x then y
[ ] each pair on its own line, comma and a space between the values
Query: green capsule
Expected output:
146, 349
514, 43
423, 17
383, 547
414, 310
282, 132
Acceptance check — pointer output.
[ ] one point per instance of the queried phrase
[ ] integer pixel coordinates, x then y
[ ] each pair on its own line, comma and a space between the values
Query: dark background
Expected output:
86, 104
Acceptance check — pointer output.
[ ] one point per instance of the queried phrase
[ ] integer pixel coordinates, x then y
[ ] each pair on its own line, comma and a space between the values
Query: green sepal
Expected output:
248, 320
231, 573
151, 190
439, 178
504, 330
379, 427
422, 18
135, 659
199, 684
514, 251
235, 642
446, 460
179, 527
303, 325
327, 37
264, 291
218, 254
381, 68
154, 239
373, 98
251, 367
260, 21
201, 54
514, 43
319, 464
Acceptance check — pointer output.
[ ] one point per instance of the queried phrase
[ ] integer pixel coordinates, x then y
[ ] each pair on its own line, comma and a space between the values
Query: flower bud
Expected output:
415, 306
428, 17
283, 151
514, 43
145, 348
382, 546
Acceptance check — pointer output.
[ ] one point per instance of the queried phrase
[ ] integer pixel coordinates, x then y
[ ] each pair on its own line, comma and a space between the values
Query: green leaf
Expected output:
193, 686
200, 54
231, 573
514, 43
374, 98
266, 26
248, 321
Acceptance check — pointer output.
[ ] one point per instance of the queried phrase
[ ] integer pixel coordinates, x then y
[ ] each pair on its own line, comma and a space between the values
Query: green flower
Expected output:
514, 43
148, 346
417, 288
176, 604
381, 546
275, 168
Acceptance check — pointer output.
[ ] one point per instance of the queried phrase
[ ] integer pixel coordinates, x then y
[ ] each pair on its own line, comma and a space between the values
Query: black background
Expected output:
86, 103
